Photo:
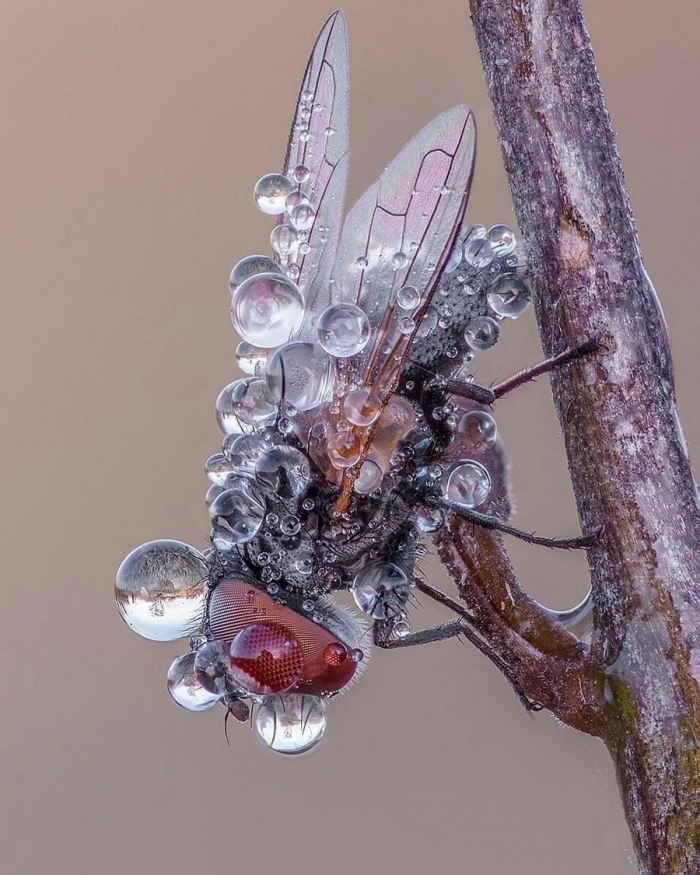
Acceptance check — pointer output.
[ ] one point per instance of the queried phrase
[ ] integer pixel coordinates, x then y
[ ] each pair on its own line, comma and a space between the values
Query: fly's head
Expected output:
342, 441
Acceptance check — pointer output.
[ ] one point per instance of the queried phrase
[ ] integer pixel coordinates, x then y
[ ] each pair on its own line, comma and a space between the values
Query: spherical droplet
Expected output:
481, 333
501, 238
237, 514
381, 590
289, 525
186, 689
369, 479
302, 217
284, 471
466, 484
267, 309
243, 451
217, 468
408, 298
291, 723
251, 359
243, 405
399, 260
479, 253
361, 262
361, 407
428, 323
343, 330
406, 325
301, 375
429, 519
251, 265
270, 192
294, 199
479, 427
266, 658
344, 449
301, 174
509, 296
159, 590
211, 666
284, 239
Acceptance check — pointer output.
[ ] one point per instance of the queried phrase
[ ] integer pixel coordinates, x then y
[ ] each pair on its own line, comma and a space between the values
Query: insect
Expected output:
354, 433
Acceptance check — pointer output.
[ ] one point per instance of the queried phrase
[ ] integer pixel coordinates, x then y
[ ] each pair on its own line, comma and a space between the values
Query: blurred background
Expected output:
132, 135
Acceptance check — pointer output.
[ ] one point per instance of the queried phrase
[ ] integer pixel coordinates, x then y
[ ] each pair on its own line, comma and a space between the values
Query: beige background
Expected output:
132, 134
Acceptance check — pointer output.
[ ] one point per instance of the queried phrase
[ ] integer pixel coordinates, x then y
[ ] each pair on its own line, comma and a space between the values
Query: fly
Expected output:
357, 428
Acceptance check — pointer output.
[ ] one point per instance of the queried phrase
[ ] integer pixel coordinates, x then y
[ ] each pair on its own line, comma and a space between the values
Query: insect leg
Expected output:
486, 395
443, 631
492, 523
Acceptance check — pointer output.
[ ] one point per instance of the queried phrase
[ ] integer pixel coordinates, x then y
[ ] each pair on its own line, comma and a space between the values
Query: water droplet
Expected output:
502, 239
466, 484
399, 260
291, 723
360, 407
159, 590
509, 296
266, 658
270, 192
408, 298
294, 199
304, 248
481, 333
329, 132
401, 629
211, 666
343, 330
428, 323
301, 174
251, 265
308, 605
243, 451
289, 525
284, 471
369, 479
251, 359
308, 504
237, 515
381, 590
306, 96
429, 519
185, 688
211, 494
301, 375
479, 428
361, 262
284, 239
344, 449
267, 309
406, 325
217, 468
244, 405
479, 253
304, 564
302, 217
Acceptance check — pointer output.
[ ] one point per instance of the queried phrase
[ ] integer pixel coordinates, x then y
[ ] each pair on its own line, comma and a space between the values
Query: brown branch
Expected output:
626, 454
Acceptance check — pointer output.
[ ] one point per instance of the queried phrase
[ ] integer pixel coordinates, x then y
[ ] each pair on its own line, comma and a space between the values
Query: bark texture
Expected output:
627, 457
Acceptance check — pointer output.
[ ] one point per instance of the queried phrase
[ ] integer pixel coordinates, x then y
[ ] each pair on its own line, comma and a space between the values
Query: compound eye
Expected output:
266, 658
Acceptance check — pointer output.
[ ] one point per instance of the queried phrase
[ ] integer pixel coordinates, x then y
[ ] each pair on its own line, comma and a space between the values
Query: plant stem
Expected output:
627, 458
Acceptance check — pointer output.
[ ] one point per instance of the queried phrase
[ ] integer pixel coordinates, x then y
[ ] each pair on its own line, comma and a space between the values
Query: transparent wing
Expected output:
399, 234
318, 146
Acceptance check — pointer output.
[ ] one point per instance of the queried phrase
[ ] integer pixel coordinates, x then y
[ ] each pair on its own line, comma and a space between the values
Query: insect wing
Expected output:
317, 162
399, 234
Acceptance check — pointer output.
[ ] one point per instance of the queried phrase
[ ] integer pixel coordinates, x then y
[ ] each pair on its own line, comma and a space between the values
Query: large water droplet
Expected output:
344, 449
159, 590
243, 405
466, 484
266, 658
481, 333
343, 330
428, 323
243, 451
237, 514
302, 217
361, 407
369, 479
509, 296
479, 253
502, 239
251, 265
479, 428
267, 309
429, 519
186, 689
301, 375
381, 590
408, 298
251, 359
211, 666
284, 239
270, 192
291, 723
284, 471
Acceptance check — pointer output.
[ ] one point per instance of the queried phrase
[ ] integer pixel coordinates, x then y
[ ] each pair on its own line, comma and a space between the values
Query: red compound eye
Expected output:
335, 653
266, 658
